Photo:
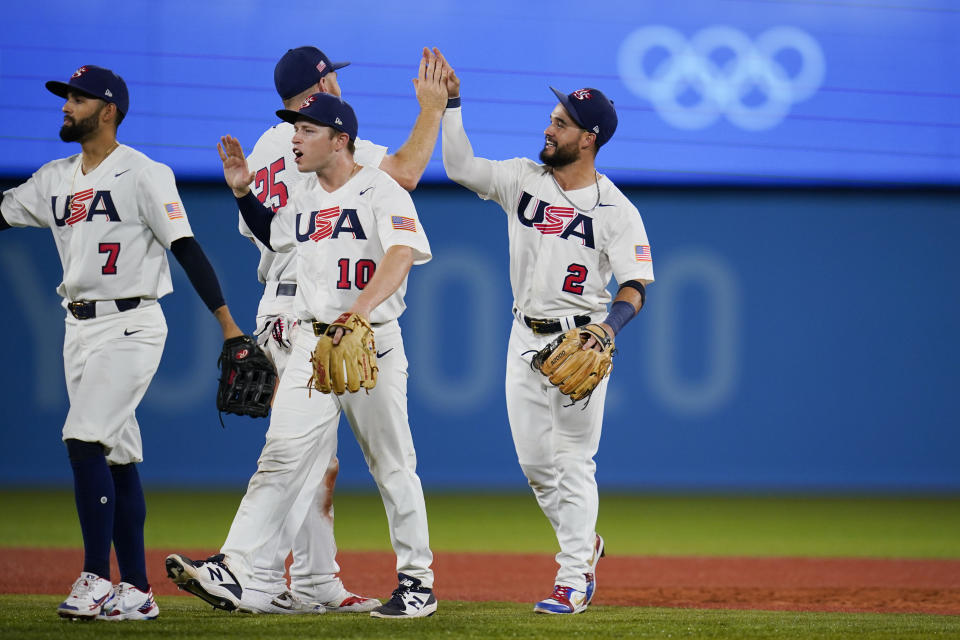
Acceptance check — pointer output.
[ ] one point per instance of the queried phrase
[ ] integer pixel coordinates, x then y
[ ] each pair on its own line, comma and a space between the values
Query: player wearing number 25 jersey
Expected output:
113, 213
570, 231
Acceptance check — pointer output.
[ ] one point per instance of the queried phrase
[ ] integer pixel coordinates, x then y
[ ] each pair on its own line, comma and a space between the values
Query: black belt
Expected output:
287, 289
85, 310
551, 325
320, 328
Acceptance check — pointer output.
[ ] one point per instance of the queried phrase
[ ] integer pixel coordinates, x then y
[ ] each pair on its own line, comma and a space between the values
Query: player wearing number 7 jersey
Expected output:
113, 213
570, 231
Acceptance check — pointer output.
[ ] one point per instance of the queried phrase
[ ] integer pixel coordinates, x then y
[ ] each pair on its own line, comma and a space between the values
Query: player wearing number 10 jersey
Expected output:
277, 182
356, 235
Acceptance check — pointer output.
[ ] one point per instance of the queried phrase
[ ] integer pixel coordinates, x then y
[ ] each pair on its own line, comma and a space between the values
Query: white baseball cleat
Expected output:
129, 603
87, 597
253, 601
210, 580
409, 600
340, 601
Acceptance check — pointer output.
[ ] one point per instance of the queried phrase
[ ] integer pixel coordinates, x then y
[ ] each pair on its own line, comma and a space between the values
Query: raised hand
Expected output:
453, 82
235, 171
431, 83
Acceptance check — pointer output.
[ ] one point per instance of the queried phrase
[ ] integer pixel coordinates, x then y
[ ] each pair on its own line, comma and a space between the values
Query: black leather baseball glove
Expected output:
247, 378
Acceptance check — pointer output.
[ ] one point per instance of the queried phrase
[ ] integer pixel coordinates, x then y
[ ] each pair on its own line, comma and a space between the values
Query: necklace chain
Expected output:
596, 181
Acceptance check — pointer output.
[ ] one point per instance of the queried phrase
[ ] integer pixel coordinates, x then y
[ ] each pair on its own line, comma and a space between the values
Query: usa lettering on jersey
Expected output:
550, 219
83, 206
321, 226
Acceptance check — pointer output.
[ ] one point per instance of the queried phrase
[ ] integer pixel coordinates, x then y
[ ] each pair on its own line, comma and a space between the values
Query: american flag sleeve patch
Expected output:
174, 210
403, 223
642, 253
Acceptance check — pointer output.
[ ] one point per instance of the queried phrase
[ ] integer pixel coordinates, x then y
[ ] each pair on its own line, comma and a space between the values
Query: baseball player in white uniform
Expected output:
570, 229
356, 234
298, 74
113, 213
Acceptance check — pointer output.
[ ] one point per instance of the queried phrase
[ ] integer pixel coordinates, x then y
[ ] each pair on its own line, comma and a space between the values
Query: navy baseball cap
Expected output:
301, 68
95, 82
324, 109
591, 110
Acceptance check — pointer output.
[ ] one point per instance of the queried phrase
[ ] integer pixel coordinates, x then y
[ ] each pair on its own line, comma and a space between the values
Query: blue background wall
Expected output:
795, 339
781, 91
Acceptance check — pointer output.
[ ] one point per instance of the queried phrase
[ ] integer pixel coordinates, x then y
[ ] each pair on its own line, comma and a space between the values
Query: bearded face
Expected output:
558, 155
79, 130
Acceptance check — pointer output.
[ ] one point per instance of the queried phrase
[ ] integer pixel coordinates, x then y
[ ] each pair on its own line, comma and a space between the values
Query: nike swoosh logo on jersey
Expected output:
365, 190
117, 175
380, 355
127, 332
605, 205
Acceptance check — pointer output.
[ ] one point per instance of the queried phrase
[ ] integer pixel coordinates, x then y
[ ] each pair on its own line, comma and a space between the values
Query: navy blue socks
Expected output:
94, 495
129, 516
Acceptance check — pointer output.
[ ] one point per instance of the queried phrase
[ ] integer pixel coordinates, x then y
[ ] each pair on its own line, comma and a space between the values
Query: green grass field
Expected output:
642, 525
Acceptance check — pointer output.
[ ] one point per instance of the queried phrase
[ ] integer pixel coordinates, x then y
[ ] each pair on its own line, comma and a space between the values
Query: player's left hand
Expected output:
595, 344
431, 83
235, 169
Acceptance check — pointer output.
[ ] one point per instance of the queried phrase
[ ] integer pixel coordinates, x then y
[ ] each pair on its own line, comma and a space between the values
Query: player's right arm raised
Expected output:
238, 177
461, 165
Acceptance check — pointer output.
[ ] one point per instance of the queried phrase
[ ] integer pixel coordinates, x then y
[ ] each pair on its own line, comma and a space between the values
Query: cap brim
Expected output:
291, 116
565, 101
338, 65
62, 89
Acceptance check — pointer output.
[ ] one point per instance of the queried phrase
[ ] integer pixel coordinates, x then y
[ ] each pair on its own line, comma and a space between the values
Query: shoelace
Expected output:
81, 587
561, 593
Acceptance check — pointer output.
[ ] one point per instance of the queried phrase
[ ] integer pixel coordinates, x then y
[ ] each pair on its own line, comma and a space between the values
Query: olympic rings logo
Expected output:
721, 72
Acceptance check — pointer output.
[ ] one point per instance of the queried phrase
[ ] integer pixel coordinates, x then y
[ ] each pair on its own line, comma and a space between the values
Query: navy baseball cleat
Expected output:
210, 580
409, 600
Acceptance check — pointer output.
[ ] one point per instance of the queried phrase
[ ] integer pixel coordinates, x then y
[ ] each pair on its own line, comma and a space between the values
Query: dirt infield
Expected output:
784, 584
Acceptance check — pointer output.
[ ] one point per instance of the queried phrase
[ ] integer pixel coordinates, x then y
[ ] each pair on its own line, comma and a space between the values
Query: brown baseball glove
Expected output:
575, 371
348, 365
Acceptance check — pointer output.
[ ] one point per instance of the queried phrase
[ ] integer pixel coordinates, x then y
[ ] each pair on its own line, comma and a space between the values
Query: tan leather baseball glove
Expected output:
349, 365
575, 371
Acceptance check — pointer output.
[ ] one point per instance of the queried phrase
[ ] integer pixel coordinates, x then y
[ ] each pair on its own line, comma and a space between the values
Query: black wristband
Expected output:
634, 284
453, 103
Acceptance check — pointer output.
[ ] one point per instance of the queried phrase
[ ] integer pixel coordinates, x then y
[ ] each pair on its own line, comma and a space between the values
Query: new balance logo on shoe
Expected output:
409, 600
210, 580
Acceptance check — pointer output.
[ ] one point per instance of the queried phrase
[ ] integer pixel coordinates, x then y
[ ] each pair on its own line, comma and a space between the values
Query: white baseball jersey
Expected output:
275, 178
564, 246
346, 233
111, 226
562, 257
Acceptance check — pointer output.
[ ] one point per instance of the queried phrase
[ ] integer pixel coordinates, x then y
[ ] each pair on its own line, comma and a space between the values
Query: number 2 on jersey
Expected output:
112, 249
266, 181
576, 274
363, 269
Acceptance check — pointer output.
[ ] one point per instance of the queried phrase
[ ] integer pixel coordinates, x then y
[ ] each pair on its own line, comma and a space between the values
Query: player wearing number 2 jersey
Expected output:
570, 231
113, 212
314, 581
